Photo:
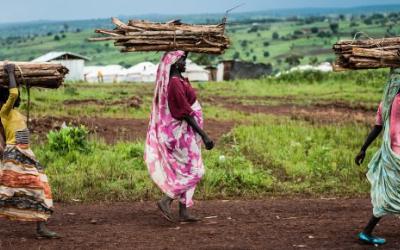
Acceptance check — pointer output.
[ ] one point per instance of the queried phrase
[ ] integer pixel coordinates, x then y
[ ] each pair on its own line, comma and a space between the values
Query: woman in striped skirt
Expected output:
25, 193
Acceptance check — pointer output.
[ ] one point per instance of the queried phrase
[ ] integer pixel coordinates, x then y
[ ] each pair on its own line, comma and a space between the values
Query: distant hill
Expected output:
301, 37
44, 27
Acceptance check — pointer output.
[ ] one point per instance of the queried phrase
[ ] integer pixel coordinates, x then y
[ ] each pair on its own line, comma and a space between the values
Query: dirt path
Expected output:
267, 224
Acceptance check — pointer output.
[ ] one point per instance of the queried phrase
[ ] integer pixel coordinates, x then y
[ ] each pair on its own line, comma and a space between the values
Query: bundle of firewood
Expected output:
140, 35
43, 75
367, 54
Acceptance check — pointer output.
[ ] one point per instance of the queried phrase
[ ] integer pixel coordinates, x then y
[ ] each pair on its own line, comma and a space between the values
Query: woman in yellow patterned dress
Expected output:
25, 194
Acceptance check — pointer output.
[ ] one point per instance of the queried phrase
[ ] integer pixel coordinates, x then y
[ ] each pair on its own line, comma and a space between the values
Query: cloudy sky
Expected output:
27, 10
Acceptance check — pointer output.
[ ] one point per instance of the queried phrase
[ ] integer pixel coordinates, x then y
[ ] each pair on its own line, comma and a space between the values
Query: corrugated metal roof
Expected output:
57, 54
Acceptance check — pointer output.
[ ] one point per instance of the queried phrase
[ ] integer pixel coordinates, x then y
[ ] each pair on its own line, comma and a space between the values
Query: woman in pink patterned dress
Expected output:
173, 144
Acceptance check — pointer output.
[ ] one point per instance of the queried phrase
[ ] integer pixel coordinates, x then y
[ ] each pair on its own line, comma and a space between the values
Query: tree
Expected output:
266, 44
254, 28
293, 60
314, 30
66, 26
266, 54
368, 21
275, 35
334, 27
353, 24
236, 55
254, 58
56, 38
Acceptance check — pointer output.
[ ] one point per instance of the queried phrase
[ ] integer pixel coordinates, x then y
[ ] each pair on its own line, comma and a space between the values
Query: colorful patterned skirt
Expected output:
25, 193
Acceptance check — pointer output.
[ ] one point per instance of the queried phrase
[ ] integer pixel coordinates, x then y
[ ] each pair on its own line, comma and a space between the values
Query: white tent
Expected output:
196, 73
106, 74
323, 67
142, 72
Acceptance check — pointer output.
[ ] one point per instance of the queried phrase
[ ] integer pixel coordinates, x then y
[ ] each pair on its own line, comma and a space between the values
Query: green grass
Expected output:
264, 155
279, 157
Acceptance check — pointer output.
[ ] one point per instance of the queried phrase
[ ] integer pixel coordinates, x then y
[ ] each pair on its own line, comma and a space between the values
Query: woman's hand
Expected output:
360, 158
9, 68
208, 142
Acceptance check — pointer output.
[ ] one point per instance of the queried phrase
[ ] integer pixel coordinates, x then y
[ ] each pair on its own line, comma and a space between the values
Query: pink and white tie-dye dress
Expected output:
173, 148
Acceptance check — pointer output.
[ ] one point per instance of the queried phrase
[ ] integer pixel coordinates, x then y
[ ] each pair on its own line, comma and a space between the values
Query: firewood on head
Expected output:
43, 75
139, 35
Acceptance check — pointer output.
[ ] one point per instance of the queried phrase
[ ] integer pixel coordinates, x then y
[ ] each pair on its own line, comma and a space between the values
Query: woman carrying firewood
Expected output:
384, 168
173, 144
25, 193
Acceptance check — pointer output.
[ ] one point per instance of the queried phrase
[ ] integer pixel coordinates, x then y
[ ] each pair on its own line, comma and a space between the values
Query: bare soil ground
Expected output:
274, 223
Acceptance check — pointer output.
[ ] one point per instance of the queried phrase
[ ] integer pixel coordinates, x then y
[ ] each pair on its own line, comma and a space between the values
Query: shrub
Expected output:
68, 139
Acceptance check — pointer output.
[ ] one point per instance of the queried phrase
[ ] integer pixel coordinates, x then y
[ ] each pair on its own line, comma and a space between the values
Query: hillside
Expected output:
283, 42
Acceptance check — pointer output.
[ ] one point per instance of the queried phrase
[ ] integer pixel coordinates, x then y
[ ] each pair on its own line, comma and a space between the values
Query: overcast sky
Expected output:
27, 10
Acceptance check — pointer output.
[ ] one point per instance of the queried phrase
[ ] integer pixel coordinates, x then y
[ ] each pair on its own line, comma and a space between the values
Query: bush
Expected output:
68, 139
314, 30
334, 27
244, 43
236, 55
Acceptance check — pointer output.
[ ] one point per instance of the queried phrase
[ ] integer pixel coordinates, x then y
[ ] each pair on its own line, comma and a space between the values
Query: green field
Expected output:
309, 39
263, 153
293, 134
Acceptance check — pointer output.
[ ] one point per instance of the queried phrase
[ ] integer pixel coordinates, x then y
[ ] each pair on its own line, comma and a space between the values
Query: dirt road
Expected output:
265, 224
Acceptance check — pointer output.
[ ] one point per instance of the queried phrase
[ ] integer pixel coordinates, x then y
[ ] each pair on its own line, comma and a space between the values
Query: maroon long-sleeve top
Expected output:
181, 96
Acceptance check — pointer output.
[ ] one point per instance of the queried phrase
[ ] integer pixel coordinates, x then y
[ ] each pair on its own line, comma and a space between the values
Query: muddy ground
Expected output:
264, 224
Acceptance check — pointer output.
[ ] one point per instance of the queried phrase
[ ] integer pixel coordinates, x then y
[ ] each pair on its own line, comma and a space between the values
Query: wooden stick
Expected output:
375, 53
141, 35
122, 25
46, 75
172, 27
169, 48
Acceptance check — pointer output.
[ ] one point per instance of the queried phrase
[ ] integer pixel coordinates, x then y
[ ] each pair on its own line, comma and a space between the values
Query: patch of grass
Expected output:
278, 157
306, 158
119, 173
